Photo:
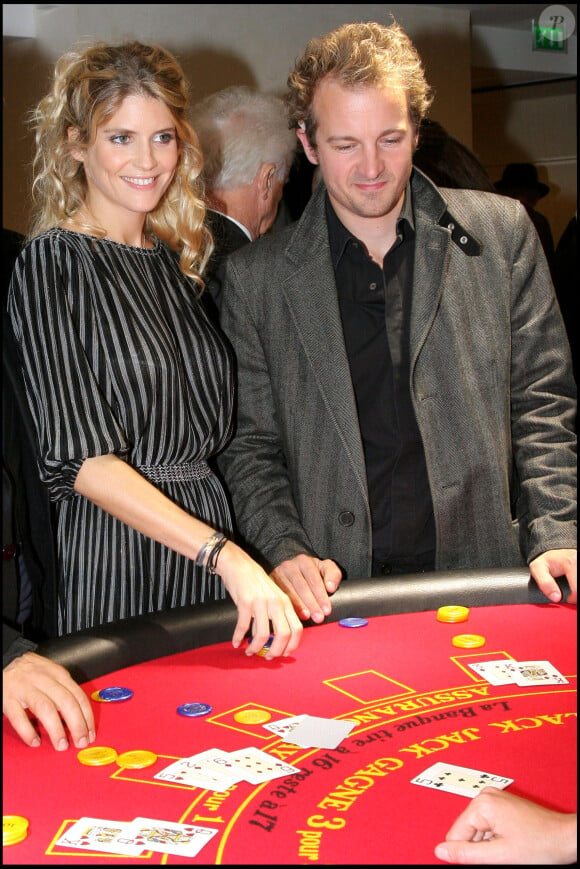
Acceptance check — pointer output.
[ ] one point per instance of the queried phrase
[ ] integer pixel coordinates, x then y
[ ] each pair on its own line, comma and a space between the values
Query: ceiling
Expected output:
501, 34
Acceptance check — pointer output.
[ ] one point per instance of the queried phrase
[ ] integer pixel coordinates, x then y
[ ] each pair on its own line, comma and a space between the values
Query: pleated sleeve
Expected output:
53, 321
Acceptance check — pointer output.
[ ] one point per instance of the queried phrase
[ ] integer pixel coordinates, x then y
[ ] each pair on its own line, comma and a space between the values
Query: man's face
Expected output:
364, 147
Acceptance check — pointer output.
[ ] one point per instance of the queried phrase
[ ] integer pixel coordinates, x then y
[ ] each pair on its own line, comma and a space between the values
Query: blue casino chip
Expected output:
115, 695
194, 710
353, 623
267, 644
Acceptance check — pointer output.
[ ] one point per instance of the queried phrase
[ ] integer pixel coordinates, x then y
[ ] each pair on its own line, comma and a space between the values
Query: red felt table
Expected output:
415, 700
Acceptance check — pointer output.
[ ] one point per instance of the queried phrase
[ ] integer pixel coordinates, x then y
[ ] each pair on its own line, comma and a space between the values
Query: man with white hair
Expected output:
248, 150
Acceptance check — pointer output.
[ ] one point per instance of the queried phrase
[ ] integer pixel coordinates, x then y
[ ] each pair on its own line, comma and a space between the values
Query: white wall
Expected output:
219, 45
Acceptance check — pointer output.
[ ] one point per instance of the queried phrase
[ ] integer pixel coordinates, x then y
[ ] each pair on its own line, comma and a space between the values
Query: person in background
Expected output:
521, 182
248, 150
502, 829
405, 392
30, 682
447, 161
129, 384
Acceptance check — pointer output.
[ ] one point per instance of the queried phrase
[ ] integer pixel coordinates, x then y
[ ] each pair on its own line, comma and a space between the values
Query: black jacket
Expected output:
27, 533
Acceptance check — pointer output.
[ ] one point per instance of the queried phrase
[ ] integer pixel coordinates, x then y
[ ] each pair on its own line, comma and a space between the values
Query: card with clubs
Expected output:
459, 780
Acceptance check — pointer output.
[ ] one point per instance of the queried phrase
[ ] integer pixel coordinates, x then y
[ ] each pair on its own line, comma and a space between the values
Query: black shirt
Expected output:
375, 306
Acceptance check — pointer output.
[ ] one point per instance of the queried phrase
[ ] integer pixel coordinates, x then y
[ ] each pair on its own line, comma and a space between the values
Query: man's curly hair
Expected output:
367, 54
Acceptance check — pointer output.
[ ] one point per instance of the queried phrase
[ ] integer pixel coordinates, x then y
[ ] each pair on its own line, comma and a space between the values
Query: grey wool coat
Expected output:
490, 380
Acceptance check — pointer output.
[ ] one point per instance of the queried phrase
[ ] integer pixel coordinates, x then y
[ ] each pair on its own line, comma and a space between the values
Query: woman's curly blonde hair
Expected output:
89, 86
367, 54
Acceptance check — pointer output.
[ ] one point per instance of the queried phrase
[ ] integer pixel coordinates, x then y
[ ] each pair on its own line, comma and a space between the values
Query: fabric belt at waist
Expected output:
175, 473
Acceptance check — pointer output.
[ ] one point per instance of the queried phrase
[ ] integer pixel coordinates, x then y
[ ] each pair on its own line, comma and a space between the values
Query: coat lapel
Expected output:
312, 299
432, 245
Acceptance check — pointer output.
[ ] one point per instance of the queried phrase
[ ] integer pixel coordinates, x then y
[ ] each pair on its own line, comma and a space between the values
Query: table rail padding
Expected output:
93, 652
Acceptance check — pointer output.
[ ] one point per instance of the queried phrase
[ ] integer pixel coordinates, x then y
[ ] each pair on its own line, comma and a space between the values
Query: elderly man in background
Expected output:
248, 150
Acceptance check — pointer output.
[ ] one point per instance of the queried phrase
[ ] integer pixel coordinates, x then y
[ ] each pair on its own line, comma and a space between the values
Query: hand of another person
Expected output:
52, 696
262, 606
555, 563
499, 828
308, 581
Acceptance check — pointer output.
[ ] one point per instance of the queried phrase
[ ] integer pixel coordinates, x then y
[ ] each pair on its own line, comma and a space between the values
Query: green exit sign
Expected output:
548, 38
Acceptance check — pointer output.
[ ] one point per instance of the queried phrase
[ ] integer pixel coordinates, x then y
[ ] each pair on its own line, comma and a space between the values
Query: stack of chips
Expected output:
452, 614
14, 829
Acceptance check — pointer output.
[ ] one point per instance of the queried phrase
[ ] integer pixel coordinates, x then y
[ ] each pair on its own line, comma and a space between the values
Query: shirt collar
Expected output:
244, 229
339, 236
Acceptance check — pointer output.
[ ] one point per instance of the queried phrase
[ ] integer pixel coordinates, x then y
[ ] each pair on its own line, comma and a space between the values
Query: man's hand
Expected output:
554, 563
499, 828
308, 581
52, 696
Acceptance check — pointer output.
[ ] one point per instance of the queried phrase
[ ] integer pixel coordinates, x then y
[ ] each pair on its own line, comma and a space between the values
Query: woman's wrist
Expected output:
209, 553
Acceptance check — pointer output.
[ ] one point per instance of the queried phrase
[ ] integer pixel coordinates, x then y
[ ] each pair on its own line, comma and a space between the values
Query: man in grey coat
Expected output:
406, 399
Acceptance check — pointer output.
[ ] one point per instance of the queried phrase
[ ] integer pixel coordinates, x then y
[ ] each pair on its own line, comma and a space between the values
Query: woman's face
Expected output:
132, 161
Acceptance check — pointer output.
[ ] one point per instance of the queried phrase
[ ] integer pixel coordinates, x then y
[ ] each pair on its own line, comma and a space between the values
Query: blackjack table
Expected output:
410, 691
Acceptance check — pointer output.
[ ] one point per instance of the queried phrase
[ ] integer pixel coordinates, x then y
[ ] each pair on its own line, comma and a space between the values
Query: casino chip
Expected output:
252, 716
452, 614
115, 695
97, 755
14, 829
264, 650
136, 759
468, 641
353, 623
194, 710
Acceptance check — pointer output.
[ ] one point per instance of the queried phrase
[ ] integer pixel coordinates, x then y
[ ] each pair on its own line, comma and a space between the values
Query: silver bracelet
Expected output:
207, 548
214, 554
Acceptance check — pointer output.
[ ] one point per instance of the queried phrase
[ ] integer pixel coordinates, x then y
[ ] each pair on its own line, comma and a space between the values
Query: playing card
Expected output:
258, 766
495, 672
459, 780
96, 834
536, 673
208, 769
167, 837
213, 761
315, 732
178, 774
284, 726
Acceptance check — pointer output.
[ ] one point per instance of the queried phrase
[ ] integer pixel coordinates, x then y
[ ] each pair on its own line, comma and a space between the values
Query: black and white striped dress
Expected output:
119, 357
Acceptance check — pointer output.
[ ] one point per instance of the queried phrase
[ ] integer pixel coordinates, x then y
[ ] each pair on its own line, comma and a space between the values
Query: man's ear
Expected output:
308, 149
266, 179
75, 149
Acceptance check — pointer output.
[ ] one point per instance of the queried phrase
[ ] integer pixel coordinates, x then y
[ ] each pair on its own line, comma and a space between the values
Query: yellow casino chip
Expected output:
468, 641
452, 614
137, 759
97, 755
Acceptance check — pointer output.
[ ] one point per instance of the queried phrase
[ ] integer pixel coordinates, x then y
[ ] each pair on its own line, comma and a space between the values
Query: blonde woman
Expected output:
129, 384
